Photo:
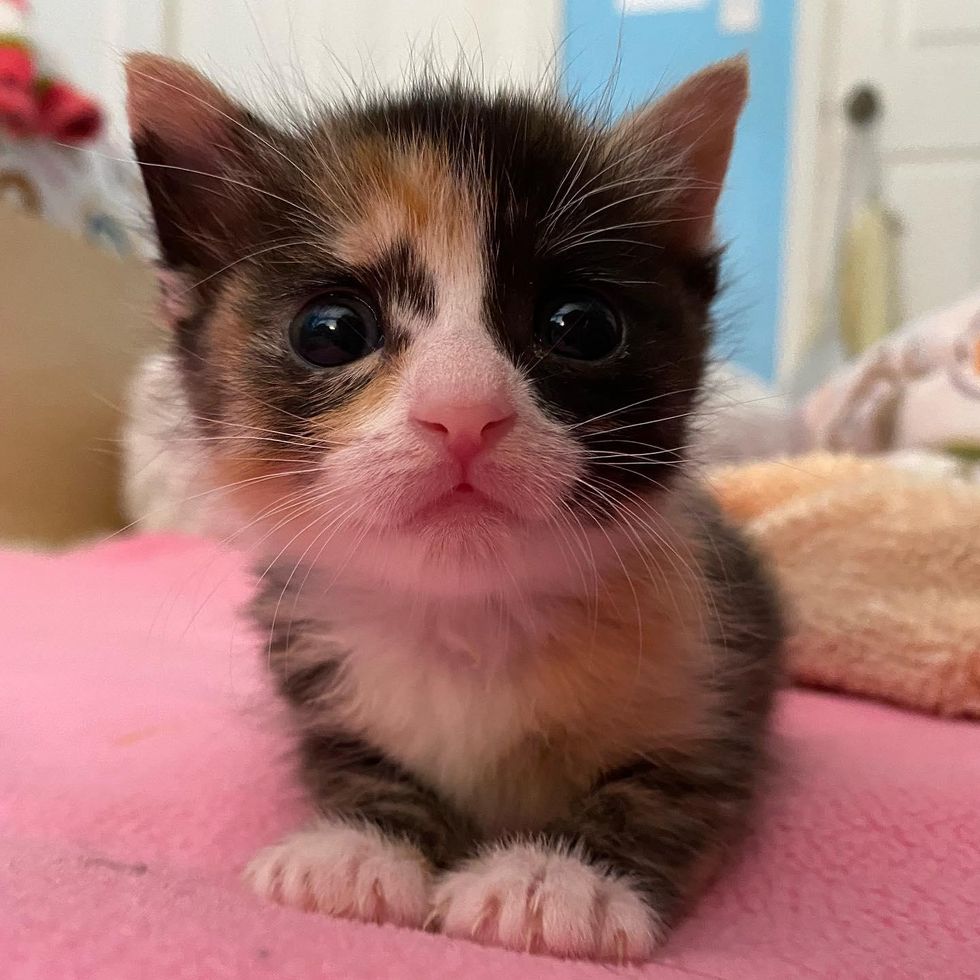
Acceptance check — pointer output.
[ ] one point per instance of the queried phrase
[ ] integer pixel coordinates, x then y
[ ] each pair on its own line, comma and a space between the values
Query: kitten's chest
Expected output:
511, 719
448, 707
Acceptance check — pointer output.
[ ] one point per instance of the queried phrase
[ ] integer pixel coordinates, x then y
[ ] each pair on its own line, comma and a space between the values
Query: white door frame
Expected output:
799, 307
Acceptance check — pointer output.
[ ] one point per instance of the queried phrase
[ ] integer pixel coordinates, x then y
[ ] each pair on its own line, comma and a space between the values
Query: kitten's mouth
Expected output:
461, 505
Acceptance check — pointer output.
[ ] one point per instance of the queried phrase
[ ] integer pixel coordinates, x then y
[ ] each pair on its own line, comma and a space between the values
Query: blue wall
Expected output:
657, 50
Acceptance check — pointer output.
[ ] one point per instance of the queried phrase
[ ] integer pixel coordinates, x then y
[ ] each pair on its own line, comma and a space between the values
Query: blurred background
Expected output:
851, 216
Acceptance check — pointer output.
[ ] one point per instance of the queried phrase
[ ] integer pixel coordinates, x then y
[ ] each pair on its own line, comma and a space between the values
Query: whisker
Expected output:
636, 404
246, 258
648, 422
199, 173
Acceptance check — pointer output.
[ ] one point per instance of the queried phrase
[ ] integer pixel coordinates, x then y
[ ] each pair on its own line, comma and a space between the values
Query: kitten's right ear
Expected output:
193, 146
691, 128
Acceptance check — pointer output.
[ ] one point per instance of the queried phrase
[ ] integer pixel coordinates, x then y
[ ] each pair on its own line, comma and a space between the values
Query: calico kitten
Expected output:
441, 350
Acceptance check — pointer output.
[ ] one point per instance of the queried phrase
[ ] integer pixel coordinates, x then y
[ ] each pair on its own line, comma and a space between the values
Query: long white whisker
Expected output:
636, 404
201, 173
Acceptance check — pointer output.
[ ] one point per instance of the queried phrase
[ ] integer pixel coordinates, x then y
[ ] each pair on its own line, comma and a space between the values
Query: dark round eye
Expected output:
580, 326
331, 331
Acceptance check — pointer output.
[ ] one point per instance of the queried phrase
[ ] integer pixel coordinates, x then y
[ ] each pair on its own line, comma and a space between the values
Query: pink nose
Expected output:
465, 430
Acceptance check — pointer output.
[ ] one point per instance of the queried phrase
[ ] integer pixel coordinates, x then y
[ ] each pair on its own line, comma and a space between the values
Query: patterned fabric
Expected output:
91, 192
54, 161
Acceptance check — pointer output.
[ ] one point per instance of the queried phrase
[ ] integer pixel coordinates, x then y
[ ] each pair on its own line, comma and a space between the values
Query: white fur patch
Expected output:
525, 897
164, 485
349, 871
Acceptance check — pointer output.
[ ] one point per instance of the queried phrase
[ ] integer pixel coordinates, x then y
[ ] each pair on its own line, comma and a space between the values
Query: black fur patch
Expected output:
346, 776
401, 277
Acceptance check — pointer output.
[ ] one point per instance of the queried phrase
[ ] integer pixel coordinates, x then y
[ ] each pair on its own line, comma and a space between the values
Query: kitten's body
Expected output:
530, 667
512, 710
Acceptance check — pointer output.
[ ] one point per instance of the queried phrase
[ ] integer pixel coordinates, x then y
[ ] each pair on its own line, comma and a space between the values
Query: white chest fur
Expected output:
442, 694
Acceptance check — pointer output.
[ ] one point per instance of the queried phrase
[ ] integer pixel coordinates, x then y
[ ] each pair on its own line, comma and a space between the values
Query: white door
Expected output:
923, 59
287, 50
330, 46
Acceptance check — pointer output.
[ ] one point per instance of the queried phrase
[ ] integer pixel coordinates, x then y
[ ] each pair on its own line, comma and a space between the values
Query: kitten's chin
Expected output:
460, 552
462, 518
454, 552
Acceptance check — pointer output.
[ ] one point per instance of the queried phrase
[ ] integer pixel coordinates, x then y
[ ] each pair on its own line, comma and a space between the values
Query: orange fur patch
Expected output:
605, 690
247, 467
340, 424
407, 193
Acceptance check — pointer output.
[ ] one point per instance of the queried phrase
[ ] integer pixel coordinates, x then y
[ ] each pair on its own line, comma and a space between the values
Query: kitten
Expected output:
441, 350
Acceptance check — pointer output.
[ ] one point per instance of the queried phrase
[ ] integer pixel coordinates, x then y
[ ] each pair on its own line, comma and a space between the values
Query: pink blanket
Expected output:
140, 766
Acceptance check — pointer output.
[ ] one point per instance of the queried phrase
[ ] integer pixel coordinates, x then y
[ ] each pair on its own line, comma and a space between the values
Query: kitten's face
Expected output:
445, 340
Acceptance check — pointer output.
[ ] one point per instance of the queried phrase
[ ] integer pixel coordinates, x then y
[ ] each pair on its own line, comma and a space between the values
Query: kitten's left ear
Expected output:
692, 129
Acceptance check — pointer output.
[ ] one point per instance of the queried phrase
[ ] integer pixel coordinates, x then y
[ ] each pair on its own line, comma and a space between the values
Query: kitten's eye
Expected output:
331, 331
580, 326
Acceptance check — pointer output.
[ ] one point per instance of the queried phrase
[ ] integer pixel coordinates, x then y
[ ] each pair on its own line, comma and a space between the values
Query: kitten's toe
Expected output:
345, 870
527, 897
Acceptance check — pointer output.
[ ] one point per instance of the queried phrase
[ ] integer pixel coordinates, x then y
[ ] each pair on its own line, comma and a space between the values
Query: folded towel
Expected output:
881, 567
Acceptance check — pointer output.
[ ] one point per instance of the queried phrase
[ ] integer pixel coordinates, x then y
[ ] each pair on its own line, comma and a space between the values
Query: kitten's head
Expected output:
444, 339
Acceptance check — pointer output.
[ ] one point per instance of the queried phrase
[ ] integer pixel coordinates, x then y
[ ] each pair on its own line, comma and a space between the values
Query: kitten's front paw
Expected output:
345, 870
526, 897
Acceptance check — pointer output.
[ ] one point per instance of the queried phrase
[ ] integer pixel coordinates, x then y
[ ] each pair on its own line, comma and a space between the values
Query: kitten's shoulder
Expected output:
747, 606
162, 485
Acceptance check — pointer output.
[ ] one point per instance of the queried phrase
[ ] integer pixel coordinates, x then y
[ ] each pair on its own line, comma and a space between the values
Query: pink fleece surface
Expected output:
141, 766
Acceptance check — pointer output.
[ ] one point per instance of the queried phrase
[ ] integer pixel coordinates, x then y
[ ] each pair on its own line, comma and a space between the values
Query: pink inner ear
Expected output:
177, 105
695, 124
176, 295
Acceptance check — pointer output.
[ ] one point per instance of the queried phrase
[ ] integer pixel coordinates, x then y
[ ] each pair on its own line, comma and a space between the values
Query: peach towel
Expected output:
882, 570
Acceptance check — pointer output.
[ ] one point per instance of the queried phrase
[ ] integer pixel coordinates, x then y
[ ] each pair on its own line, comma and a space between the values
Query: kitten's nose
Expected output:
466, 429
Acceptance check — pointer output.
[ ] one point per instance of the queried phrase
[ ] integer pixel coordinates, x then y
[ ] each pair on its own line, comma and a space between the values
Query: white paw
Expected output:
346, 870
528, 898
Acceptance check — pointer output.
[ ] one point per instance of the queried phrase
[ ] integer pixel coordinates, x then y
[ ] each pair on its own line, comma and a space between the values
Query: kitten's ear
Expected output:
194, 145
692, 127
